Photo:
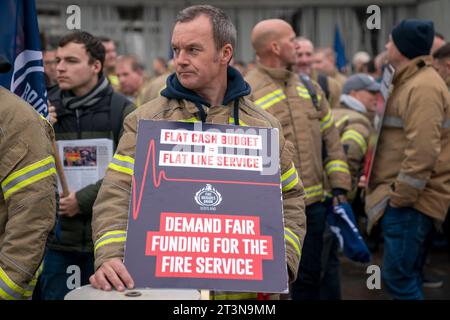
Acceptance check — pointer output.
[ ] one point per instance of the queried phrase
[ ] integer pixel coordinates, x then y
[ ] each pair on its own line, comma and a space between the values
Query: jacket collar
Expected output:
352, 103
236, 88
277, 74
411, 68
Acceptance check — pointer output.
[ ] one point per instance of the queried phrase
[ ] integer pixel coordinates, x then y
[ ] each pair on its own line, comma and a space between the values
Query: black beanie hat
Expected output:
413, 37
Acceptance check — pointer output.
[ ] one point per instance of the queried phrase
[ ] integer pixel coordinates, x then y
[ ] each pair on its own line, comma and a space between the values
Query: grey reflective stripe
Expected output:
288, 233
394, 122
6, 289
446, 124
289, 179
123, 163
26, 176
413, 182
378, 207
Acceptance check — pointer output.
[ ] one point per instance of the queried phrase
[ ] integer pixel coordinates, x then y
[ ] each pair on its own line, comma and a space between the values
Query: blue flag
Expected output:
339, 48
20, 45
342, 223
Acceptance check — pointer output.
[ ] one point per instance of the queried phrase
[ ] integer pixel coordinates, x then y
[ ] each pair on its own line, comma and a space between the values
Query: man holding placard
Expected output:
203, 89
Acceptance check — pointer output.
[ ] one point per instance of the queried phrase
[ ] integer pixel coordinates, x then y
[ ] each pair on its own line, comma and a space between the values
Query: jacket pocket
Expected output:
12, 157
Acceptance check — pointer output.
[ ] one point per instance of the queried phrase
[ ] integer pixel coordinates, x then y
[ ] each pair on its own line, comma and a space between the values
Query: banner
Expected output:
20, 45
206, 209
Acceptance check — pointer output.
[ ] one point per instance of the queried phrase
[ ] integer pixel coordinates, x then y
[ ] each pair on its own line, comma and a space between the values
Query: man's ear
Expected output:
226, 53
97, 66
447, 65
275, 47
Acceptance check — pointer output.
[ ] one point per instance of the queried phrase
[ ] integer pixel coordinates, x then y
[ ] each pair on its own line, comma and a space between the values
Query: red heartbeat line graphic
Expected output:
158, 177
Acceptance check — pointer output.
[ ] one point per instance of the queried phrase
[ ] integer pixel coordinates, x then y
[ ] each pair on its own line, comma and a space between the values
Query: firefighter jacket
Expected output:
179, 104
310, 129
330, 87
155, 87
27, 194
411, 166
354, 128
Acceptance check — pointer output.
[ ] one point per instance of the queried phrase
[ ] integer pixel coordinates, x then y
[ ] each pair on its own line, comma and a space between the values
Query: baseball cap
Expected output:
360, 81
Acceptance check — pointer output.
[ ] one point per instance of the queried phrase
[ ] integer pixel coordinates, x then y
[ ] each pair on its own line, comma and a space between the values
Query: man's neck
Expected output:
400, 64
215, 94
272, 62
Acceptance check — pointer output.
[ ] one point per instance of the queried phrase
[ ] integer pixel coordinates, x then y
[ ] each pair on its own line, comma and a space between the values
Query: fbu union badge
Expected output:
208, 198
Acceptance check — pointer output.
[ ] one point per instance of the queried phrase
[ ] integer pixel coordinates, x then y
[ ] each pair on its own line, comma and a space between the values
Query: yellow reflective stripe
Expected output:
270, 99
36, 275
293, 239
28, 175
120, 169
27, 169
4, 295
341, 121
124, 158
241, 123
304, 93
236, 296
314, 191
110, 237
357, 137
326, 121
10, 289
124, 164
191, 120
288, 173
337, 166
29, 181
289, 179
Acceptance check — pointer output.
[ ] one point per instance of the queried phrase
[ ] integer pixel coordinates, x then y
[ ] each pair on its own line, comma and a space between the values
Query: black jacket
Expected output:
87, 117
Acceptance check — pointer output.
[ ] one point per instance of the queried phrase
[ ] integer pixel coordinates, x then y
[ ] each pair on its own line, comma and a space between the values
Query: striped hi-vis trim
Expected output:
293, 239
314, 191
341, 121
124, 164
337, 166
357, 137
30, 174
110, 237
304, 93
289, 179
10, 290
270, 99
326, 121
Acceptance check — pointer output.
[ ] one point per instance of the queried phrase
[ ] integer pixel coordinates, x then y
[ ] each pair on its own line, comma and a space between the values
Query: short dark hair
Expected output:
93, 46
223, 29
443, 52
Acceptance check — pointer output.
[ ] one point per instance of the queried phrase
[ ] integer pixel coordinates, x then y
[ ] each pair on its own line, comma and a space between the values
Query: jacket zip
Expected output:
77, 112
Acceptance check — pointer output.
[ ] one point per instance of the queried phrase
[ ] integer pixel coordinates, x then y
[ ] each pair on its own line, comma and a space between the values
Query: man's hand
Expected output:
68, 206
112, 272
362, 183
339, 199
53, 118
